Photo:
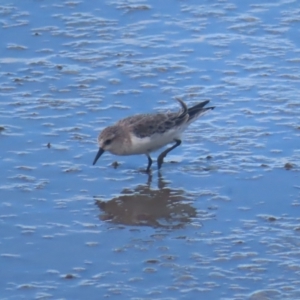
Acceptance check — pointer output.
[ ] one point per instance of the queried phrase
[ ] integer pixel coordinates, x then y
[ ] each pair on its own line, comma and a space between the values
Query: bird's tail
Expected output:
198, 110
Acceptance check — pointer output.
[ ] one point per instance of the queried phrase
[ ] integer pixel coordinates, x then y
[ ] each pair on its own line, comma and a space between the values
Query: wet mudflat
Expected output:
221, 219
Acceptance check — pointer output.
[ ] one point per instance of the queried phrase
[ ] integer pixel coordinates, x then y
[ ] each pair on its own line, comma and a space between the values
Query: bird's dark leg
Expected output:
161, 156
149, 163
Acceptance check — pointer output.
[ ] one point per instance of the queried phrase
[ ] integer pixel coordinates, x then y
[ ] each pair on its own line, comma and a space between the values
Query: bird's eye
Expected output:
107, 142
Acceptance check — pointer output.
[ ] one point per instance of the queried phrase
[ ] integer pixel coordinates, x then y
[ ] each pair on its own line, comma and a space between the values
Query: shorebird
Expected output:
145, 133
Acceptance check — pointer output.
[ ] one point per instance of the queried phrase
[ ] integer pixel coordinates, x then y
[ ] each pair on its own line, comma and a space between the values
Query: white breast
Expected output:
153, 143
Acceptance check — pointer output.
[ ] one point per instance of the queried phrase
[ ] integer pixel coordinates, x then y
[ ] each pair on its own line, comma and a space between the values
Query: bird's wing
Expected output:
145, 125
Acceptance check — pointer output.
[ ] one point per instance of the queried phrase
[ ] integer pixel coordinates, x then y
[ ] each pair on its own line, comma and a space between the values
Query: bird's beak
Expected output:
100, 152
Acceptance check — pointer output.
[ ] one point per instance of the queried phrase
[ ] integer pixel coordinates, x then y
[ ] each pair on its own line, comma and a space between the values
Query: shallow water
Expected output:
221, 219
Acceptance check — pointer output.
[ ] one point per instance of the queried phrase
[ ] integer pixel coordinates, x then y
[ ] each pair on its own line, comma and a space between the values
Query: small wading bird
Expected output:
145, 133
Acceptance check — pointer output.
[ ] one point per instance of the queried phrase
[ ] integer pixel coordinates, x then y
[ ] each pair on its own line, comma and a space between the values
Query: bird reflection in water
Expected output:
144, 206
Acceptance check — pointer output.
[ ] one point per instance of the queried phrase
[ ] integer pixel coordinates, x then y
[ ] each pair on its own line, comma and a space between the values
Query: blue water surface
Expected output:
221, 218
